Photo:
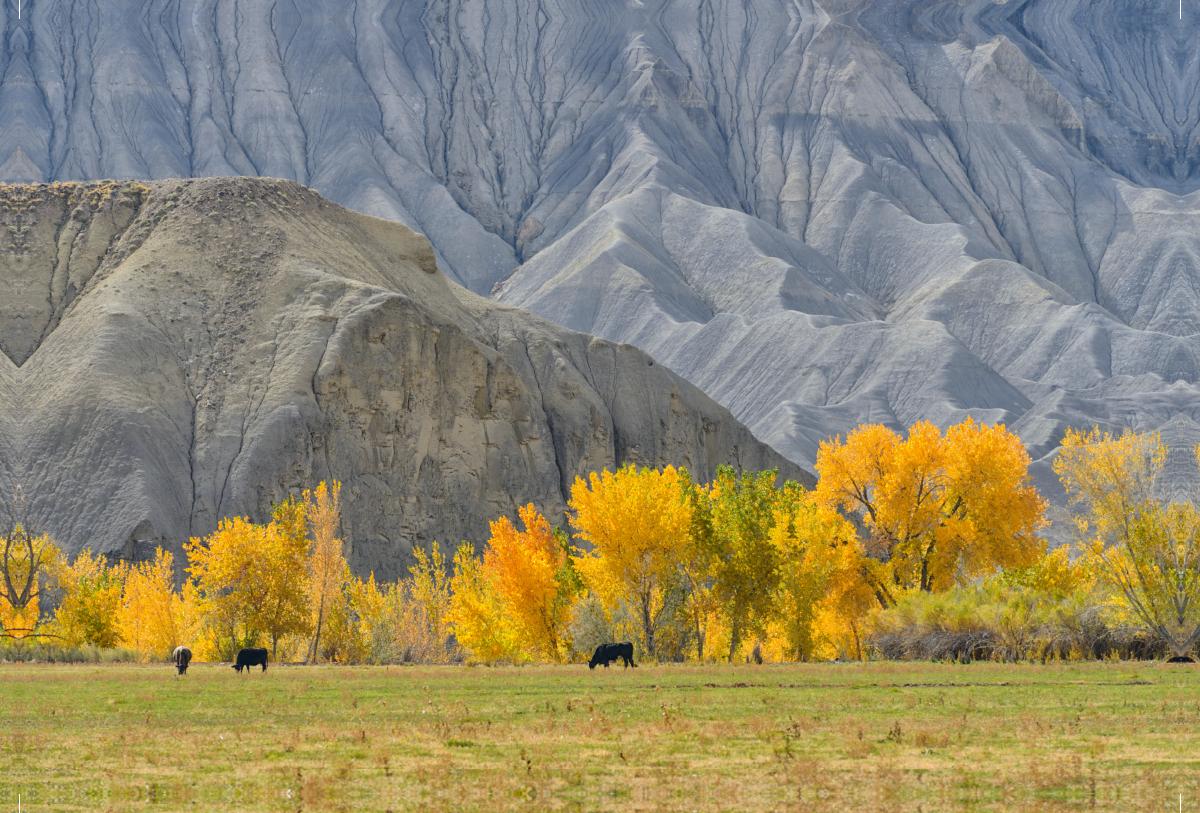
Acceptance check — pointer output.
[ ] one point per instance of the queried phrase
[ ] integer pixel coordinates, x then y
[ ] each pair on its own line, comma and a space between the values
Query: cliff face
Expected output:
820, 211
182, 351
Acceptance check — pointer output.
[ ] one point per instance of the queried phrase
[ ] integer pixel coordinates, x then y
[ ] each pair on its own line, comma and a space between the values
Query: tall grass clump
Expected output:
42, 652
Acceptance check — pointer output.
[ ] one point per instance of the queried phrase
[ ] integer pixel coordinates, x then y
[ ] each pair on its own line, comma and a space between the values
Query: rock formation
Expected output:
820, 211
183, 351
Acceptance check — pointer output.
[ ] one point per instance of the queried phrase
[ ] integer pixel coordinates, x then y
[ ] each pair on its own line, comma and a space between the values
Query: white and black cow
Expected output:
182, 656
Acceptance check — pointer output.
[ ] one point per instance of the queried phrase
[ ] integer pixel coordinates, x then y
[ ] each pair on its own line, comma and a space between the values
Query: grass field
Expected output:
821, 737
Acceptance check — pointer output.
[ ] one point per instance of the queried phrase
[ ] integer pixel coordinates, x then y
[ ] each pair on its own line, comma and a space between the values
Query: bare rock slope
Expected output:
183, 351
820, 211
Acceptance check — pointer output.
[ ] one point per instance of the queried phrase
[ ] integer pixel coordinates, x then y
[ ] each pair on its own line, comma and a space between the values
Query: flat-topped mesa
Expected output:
190, 350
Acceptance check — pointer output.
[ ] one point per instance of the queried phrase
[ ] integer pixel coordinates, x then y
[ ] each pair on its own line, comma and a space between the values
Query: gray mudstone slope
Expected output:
191, 350
822, 212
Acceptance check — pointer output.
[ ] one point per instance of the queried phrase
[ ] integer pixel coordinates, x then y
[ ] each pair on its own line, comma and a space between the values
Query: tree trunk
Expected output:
647, 626
926, 585
735, 635
316, 644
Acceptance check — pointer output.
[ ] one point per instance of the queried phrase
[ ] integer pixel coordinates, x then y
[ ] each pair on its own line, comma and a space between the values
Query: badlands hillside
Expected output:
181, 351
821, 212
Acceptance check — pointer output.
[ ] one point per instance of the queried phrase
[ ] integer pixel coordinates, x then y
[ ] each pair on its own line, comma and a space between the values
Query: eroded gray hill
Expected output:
819, 211
189, 350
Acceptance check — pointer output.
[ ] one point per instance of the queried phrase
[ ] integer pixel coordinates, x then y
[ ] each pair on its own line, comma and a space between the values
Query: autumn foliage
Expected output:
637, 522
936, 510
515, 604
922, 545
1146, 547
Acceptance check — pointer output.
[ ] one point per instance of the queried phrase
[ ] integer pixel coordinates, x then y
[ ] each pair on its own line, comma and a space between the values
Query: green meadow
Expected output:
879, 736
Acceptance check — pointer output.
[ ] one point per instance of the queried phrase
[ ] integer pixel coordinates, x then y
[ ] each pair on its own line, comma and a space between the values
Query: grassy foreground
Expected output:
821, 737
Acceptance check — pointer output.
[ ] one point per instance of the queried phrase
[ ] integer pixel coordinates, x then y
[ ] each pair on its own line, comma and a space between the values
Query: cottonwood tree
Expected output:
732, 522
328, 574
28, 567
253, 579
820, 600
477, 613
935, 510
153, 617
638, 522
1148, 548
92, 592
524, 581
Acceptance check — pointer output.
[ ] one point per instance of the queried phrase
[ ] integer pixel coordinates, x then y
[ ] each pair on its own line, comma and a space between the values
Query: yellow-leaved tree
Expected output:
428, 589
477, 613
732, 522
153, 617
1149, 549
935, 509
30, 564
328, 574
91, 601
821, 599
253, 579
638, 522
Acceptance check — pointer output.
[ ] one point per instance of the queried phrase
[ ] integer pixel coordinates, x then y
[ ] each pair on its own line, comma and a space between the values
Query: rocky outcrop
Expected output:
183, 351
820, 211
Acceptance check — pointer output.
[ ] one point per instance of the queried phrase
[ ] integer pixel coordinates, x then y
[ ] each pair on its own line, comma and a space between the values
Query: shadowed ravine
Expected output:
821, 212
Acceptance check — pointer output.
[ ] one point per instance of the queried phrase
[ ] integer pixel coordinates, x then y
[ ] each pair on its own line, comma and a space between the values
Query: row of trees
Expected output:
284, 584
693, 570
689, 571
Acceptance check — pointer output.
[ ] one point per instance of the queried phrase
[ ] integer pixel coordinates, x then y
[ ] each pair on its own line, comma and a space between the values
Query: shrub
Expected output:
999, 622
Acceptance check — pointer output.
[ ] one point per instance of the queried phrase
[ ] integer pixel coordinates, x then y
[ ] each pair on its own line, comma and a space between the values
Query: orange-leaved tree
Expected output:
253, 579
328, 574
935, 509
638, 522
525, 585
531, 572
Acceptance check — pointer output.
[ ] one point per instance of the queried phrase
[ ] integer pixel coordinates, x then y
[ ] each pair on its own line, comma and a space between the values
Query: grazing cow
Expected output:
607, 653
251, 657
182, 657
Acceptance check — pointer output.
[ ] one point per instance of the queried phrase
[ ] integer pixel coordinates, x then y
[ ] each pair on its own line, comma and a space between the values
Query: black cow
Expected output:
607, 653
182, 657
251, 657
